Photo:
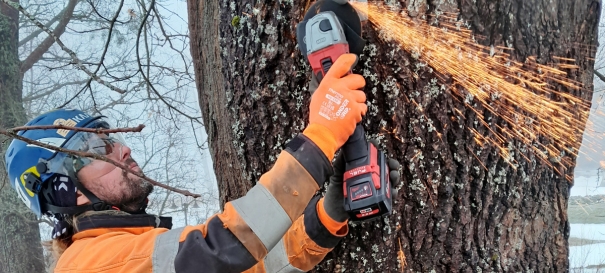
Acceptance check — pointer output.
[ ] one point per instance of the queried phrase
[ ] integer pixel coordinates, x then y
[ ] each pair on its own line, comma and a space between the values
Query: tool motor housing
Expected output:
325, 41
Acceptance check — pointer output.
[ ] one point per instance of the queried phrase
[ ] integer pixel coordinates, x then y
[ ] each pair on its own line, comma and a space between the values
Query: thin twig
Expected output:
10, 133
79, 129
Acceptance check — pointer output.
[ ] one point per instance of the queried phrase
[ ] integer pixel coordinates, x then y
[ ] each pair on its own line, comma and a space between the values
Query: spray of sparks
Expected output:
519, 93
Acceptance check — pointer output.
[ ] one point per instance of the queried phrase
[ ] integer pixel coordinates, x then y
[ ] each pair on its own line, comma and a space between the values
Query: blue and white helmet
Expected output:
32, 168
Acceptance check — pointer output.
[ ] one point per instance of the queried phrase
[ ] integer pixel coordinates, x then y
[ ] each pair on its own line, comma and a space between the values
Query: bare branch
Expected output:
601, 76
37, 32
10, 133
72, 54
94, 9
106, 47
76, 95
53, 89
88, 30
35, 56
143, 22
79, 129
155, 10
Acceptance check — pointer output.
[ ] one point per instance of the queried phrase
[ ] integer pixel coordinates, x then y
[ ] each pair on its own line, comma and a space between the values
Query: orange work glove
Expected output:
336, 106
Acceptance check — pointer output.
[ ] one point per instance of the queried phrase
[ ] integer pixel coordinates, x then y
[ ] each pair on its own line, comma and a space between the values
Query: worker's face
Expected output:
111, 183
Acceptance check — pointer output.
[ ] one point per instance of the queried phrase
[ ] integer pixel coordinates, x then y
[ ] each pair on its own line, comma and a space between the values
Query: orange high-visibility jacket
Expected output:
267, 230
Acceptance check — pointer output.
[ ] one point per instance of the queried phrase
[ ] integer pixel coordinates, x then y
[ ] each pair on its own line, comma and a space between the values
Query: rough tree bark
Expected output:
449, 216
20, 247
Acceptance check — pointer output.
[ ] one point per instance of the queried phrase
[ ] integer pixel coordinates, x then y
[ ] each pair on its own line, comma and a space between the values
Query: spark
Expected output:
401, 257
524, 94
478, 160
582, 207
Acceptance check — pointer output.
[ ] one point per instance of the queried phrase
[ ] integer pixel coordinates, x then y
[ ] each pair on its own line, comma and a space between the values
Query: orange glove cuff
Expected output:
323, 138
335, 228
338, 105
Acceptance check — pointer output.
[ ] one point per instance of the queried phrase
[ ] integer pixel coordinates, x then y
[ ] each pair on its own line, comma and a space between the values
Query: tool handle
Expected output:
356, 146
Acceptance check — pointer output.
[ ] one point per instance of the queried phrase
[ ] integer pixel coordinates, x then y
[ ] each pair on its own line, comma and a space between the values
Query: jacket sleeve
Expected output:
306, 243
240, 237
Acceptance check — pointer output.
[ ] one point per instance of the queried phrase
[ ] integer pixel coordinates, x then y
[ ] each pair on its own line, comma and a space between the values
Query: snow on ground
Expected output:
585, 258
588, 185
588, 231
591, 255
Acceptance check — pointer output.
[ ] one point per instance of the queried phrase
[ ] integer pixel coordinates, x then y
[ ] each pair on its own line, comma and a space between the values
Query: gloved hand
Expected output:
336, 106
334, 199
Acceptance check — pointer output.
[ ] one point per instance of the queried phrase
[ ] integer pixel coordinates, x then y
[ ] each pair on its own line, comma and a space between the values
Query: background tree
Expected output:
128, 60
462, 206
22, 251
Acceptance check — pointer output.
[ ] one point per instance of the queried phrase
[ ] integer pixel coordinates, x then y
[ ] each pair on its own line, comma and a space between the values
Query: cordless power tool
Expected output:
332, 28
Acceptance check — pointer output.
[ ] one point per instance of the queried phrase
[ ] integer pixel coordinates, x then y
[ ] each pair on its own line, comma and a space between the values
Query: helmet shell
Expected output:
21, 158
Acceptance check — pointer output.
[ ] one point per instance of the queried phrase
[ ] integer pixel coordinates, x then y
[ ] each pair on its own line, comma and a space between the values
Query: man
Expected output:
99, 209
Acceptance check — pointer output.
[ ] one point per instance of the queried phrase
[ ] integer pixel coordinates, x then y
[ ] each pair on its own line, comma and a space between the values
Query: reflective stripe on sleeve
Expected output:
165, 249
263, 214
277, 261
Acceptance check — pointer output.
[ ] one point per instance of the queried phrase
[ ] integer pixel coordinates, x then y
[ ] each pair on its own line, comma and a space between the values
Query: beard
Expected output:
136, 200
137, 190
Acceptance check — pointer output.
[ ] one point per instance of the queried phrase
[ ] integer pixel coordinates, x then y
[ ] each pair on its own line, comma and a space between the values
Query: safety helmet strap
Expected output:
69, 210
95, 203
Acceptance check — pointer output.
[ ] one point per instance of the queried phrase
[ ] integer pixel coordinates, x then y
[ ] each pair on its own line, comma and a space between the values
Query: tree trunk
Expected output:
451, 214
20, 247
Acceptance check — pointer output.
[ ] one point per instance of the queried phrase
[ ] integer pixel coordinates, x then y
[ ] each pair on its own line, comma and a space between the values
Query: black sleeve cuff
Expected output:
315, 229
220, 251
311, 158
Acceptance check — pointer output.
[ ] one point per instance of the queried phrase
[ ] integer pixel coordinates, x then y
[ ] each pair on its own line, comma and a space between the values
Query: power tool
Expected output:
330, 29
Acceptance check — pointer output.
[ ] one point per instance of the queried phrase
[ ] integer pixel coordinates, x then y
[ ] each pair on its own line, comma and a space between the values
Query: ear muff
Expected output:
31, 181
